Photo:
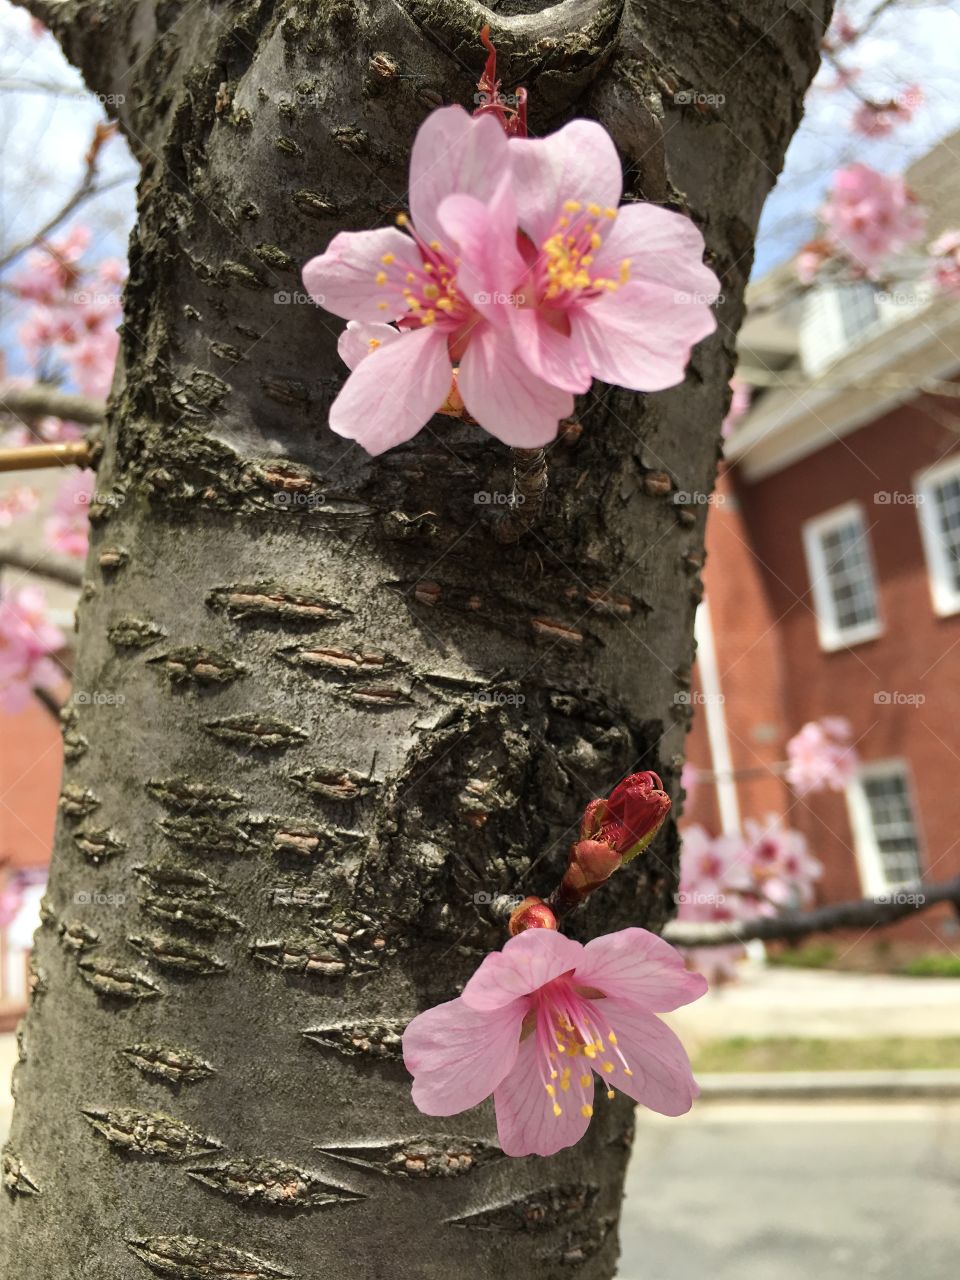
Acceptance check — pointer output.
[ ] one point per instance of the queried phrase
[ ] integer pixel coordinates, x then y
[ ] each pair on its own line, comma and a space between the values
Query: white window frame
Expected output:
873, 877
944, 594
831, 635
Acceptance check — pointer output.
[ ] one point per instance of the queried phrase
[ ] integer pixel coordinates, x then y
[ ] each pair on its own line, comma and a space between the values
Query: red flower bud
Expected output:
532, 913
630, 817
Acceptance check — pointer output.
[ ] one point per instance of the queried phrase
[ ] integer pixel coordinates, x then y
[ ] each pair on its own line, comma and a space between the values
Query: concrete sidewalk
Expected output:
821, 1004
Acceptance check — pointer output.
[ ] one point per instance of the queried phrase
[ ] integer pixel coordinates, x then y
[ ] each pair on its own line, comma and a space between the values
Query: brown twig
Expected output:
42, 566
43, 401
32, 457
862, 913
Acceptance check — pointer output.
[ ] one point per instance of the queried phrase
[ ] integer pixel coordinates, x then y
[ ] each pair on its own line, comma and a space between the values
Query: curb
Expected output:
774, 1085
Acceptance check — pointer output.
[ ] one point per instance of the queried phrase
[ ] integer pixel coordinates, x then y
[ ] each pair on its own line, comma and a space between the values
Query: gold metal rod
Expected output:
74, 453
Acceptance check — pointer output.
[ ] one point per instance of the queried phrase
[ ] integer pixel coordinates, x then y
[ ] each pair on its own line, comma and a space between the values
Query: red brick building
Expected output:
833, 577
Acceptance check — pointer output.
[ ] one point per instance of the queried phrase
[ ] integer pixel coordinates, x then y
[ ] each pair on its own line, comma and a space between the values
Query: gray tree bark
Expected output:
350, 716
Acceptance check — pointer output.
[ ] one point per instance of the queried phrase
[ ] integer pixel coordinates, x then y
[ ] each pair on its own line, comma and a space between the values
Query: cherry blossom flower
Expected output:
27, 639
870, 216
821, 756
76, 310
518, 269
781, 865
878, 119
67, 529
945, 252
540, 1019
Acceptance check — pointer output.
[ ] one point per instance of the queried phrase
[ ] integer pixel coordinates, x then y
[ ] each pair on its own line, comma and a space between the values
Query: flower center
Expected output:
429, 293
573, 1041
568, 253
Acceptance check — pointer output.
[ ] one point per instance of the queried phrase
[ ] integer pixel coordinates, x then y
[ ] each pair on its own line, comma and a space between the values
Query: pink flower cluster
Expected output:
76, 310
821, 755
27, 640
67, 528
543, 1019
869, 217
878, 119
766, 870
516, 280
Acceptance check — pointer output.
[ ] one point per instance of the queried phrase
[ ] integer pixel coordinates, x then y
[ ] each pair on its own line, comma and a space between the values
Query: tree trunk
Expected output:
321, 715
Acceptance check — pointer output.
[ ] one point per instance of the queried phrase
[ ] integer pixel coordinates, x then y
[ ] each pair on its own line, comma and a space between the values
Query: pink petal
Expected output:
661, 1079
394, 392
578, 162
486, 236
662, 246
526, 963
508, 400
458, 1056
552, 356
453, 152
637, 965
353, 345
343, 280
640, 336
526, 1124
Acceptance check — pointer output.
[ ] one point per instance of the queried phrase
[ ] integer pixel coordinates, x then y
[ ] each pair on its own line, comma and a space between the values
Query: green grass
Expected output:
817, 955
793, 1053
936, 964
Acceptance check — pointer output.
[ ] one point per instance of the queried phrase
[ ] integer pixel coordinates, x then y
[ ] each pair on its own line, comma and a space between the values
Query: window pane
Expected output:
849, 574
893, 827
946, 495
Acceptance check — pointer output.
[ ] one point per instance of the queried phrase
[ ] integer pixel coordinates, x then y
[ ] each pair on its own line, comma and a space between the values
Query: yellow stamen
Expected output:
572, 206
402, 219
625, 271
586, 1110
593, 210
609, 213
608, 1067
434, 244
557, 1109
431, 291
382, 306
373, 343
585, 1080
612, 1038
388, 258
611, 1095
551, 1091
410, 277
381, 277
429, 316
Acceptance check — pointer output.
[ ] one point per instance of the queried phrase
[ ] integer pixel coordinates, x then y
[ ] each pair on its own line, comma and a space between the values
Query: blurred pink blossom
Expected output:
67, 528
877, 119
821, 755
869, 216
27, 640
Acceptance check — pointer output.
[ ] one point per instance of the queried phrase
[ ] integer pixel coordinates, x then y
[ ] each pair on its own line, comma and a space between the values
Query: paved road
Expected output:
795, 1192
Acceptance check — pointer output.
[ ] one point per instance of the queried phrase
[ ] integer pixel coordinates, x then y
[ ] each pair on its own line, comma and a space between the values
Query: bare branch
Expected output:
43, 566
43, 400
860, 914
